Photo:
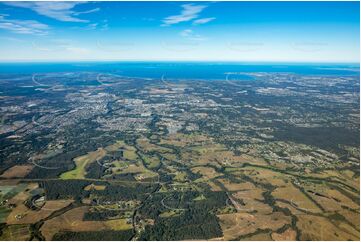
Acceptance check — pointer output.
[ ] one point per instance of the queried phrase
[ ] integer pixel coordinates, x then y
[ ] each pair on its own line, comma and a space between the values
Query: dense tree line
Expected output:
197, 220
63, 189
106, 235
193, 224
94, 170
328, 138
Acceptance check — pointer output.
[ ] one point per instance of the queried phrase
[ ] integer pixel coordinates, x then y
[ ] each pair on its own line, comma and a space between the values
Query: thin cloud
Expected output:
188, 13
12, 39
92, 26
190, 35
186, 32
63, 45
62, 11
88, 11
77, 50
23, 26
203, 21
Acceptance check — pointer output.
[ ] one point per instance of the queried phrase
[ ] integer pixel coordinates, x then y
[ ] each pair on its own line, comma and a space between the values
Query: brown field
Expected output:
334, 199
227, 158
214, 187
18, 171
353, 217
345, 176
258, 237
72, 221
289, 234
214, 155
319, 228
206, 172
266, 176
238, 224
12, 182
252, 193
29, 216
236, 186
245, 158
32, 216
252, 200
296, 197
22, 196
292, 208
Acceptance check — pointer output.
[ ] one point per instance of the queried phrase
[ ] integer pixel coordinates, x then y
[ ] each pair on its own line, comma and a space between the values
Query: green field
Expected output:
80, 164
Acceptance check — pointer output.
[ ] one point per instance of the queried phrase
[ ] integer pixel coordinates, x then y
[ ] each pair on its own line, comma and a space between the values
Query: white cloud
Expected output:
189, 12
186, 32
88, 11
62, 11
190, 35
203, 20
23, 26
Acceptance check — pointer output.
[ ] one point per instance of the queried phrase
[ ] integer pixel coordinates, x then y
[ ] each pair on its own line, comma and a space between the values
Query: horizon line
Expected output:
172, 60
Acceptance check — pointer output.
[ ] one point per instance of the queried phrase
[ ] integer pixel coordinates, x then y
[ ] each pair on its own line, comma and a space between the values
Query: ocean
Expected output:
181, 70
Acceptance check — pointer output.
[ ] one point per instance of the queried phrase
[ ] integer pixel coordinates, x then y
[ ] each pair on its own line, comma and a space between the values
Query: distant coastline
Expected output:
194, 70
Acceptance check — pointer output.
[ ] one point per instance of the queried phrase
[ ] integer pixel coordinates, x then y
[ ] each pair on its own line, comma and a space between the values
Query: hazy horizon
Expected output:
306, 32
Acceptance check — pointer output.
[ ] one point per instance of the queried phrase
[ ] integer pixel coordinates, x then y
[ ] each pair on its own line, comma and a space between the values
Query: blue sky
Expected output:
211, 31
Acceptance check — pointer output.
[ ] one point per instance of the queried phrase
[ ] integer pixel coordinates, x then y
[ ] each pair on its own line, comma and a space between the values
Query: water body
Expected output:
182, 70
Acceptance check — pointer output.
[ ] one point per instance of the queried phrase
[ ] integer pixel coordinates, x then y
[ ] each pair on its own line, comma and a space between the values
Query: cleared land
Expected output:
17, 171
73, 221
81, 163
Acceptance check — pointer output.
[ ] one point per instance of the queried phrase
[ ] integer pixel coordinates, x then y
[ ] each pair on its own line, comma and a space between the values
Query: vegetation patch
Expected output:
80, 164
106, 235
16, 232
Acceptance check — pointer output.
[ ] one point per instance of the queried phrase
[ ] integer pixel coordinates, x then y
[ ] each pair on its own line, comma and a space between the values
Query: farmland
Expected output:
137, 159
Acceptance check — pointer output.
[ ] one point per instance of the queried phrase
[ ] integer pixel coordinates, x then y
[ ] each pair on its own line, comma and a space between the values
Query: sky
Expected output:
180, 31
